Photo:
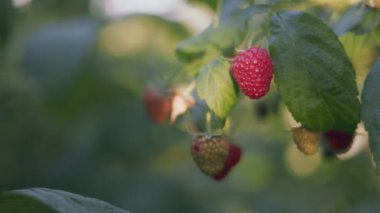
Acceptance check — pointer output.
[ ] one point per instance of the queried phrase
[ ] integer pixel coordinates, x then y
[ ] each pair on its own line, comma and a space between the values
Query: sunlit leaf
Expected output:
216, 87
187, 73
362, 50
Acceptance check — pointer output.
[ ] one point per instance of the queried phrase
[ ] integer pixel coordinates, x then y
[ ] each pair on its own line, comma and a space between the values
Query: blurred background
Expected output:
72, 76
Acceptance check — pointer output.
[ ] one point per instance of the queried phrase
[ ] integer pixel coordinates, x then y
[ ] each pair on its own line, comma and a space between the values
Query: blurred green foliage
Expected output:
6, 13
71, 118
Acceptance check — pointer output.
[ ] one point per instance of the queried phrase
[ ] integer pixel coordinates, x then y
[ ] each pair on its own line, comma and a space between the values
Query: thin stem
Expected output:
208, 121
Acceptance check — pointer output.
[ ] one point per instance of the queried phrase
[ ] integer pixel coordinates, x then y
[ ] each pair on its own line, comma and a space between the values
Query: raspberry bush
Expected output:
318, 72
273, 102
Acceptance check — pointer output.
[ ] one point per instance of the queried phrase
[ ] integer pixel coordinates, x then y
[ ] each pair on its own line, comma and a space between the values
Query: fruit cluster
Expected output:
252, 71
333, 141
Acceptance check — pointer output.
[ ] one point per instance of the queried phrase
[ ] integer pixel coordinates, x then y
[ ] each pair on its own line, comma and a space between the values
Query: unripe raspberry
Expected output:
214, 155
307, 142
252, 70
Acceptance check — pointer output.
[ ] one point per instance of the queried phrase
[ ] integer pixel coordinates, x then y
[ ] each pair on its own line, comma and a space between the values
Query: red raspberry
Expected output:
232, 159
214, 155
158, 105
252, 70
339, 142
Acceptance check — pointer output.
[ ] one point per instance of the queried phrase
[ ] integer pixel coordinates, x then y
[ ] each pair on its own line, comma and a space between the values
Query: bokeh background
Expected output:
72, 75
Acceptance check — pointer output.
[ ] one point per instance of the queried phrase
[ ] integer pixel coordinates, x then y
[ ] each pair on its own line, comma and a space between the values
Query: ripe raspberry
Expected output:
214, 155
158, 105
307, 142
339, 142
232, 159
252, 70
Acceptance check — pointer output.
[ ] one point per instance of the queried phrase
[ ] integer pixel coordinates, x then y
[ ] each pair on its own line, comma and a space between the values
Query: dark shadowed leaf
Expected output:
67, 7
48, 200
371, 111
314, 76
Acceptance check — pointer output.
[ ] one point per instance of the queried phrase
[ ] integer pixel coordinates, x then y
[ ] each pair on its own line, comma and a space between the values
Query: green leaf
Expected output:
314, 76
359, 19
187, 73
371, 111
48, 200
228, 8
222, 39
213, 4
362, 50
216, 87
